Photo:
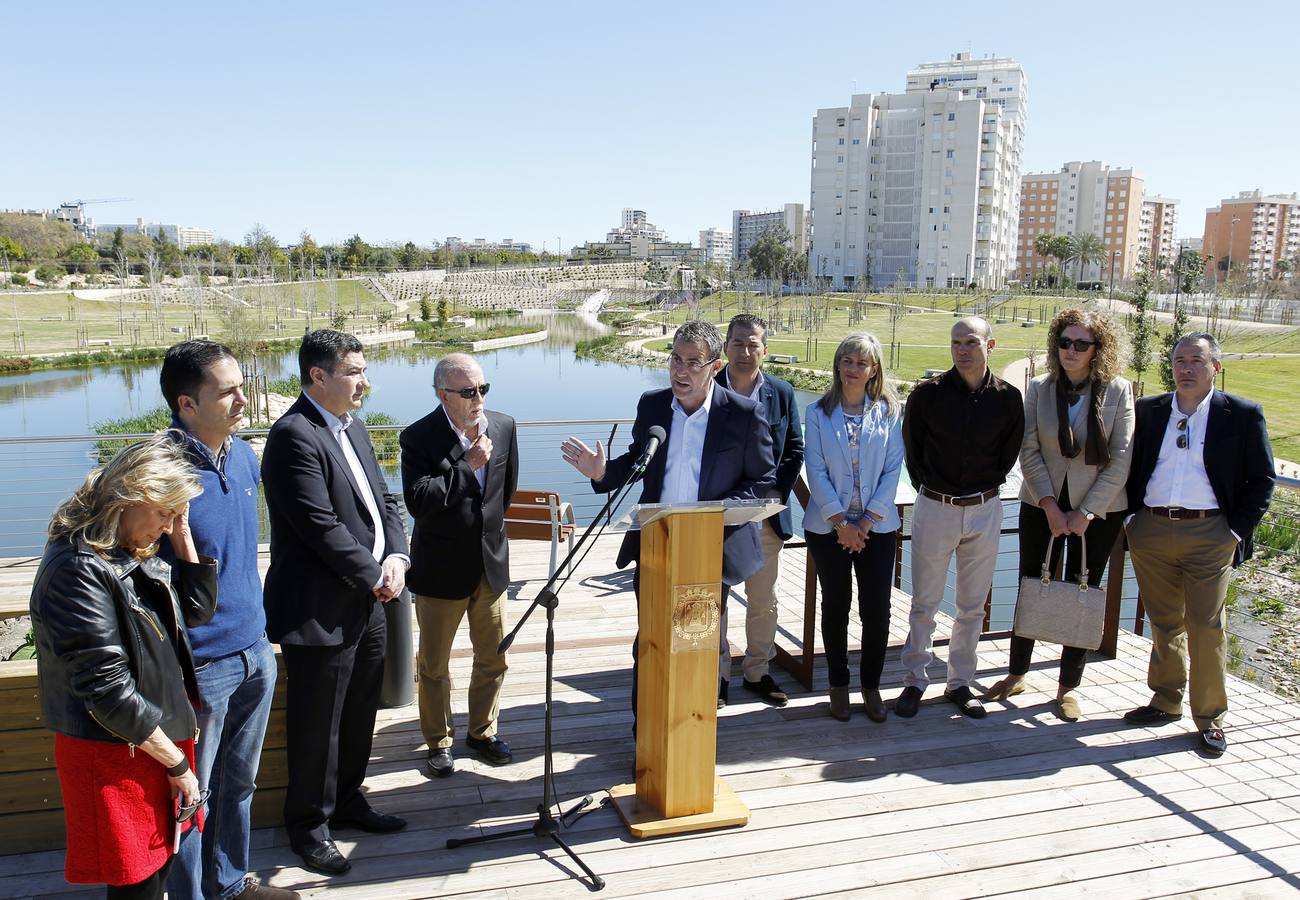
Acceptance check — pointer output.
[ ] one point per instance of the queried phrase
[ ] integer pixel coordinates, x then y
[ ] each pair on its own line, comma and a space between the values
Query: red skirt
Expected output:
118, 809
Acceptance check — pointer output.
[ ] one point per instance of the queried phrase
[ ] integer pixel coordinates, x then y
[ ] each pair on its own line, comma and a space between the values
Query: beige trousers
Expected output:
760, 612
439, 619
1183, 567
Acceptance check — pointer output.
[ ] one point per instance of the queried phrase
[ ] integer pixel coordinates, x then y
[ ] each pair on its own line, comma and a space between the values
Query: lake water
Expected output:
534, 382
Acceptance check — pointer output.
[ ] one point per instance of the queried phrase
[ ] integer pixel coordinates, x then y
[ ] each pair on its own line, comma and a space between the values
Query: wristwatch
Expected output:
1088, 515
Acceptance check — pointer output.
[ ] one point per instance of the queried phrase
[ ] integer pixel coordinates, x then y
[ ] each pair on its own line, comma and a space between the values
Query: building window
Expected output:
952, 117
841, 140
949, 154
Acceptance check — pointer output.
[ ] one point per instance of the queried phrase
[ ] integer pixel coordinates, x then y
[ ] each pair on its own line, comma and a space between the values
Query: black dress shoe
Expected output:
324, 857
722, 692
369, 820
493, 750
1213, 742
441, 763
967, 702
908, 702
1149, 715
768, 690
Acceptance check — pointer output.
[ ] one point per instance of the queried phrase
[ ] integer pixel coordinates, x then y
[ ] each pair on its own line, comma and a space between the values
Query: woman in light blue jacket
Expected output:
853, 453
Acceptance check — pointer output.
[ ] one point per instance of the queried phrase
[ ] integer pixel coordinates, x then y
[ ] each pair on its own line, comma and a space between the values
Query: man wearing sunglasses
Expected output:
460, 467
1201, 480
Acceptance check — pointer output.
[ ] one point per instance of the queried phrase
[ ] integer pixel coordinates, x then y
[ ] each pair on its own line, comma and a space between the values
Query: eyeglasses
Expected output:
469, 392
692, 365
1079, 345
1182, 437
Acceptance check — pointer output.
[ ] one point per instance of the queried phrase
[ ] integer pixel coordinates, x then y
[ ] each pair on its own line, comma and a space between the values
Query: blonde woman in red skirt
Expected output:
114, 665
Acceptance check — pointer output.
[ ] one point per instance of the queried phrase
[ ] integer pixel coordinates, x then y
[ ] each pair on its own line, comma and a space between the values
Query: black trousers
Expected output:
333, 693
1034, 537
150, 888
874, 568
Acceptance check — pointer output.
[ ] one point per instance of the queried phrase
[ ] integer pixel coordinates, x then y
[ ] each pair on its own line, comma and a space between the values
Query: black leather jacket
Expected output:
113, 660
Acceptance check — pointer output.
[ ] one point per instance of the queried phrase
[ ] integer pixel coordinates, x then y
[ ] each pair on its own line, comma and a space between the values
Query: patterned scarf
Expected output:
1096, 452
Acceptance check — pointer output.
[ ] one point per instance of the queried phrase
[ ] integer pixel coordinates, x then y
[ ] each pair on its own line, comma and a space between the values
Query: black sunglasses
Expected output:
1182, 437
469, 392
186, 812
1079, 345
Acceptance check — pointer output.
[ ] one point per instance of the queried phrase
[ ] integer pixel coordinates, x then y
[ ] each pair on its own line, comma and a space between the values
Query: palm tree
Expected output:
1056, 246
1085, 250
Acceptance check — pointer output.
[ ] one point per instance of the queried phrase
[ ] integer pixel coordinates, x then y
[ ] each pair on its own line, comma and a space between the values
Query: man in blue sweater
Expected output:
234, 662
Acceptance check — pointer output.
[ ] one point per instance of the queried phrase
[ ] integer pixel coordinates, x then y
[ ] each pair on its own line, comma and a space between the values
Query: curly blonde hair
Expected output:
152, 471
1111, 353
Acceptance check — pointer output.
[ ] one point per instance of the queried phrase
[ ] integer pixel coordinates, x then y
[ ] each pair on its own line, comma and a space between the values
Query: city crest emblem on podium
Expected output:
695, 617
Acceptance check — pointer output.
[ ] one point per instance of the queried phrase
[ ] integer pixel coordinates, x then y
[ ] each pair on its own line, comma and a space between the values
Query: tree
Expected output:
11, 248
1057, 246
1188, 271
306, 254
354, 251
119, 240
1084, 250
768, 253
1176, 330
426, 309
1141, 334
82, 258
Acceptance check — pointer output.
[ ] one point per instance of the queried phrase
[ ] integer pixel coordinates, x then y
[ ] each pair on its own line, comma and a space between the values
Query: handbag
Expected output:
1062, 612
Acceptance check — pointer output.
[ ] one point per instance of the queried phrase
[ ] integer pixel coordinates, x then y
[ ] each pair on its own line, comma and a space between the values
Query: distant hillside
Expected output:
41, 239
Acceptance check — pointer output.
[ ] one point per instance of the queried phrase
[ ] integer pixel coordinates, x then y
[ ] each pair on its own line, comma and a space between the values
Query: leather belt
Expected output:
968, 500
1175, 512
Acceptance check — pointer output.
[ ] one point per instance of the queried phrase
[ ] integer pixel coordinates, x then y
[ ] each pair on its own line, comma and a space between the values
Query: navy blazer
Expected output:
318, 586
777, 399
1238, 460
460, 531
736, 464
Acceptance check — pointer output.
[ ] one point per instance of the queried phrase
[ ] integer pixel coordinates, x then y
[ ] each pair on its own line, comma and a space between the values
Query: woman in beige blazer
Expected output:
1075, 461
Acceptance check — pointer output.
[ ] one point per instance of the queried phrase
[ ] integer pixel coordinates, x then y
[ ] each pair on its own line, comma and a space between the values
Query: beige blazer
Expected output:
1045, 469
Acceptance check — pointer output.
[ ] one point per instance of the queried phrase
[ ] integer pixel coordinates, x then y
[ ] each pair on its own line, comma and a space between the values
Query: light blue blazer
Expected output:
829, 468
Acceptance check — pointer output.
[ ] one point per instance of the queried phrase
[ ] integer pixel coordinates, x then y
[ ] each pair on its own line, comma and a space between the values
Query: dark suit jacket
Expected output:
736, 465
318, 586
1238, 460
460, 531
777, 402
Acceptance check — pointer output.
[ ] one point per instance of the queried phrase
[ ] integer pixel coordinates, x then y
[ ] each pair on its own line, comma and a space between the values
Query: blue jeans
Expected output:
235, 693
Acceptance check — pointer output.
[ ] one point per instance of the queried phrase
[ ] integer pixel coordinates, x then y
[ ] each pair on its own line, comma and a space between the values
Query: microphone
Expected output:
657, 437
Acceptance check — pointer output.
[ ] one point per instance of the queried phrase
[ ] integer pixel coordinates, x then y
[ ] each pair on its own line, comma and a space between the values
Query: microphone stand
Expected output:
548, 825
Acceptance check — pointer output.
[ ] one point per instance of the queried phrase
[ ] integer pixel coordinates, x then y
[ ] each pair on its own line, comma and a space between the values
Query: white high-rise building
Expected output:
634, 224
1157, 226
715, 246
921, 187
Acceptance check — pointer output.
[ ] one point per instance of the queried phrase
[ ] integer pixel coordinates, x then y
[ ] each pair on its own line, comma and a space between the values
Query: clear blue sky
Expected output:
414, 121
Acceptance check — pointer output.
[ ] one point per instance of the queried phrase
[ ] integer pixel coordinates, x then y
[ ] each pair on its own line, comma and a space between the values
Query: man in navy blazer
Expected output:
718, 447
1200, 482
746, 349
338, 553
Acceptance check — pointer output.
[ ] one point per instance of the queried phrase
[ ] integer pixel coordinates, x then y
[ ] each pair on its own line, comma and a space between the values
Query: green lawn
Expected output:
53, 323
1272, 384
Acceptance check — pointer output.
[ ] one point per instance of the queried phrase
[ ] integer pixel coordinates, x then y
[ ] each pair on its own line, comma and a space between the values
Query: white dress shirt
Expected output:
1179, 479
758, 386
481, 472
685, 450
337, 427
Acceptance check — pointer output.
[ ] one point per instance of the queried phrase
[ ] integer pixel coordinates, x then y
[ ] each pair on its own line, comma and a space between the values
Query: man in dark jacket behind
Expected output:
460, 467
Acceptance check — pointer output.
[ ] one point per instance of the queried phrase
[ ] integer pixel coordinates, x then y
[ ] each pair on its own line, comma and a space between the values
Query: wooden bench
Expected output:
541, 516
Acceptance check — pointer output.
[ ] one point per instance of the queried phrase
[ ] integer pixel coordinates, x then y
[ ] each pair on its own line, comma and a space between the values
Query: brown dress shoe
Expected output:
840, 703
874, 706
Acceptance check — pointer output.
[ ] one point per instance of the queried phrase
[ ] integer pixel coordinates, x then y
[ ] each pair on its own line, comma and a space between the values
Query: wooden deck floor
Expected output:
939, 805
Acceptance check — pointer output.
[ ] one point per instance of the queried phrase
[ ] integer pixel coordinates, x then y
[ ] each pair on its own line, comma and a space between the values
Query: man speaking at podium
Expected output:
717, 446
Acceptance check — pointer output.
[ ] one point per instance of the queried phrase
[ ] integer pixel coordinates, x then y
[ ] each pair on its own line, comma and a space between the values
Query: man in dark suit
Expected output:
1201, 480
746, 348
718, 447
460, 467
338, 553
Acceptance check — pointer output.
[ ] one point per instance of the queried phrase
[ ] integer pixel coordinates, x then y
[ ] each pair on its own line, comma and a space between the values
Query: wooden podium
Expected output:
676, 789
